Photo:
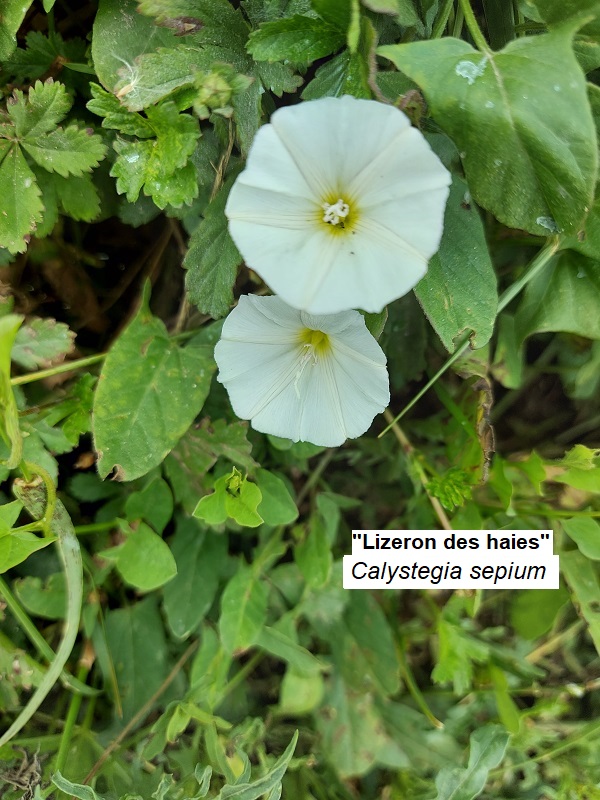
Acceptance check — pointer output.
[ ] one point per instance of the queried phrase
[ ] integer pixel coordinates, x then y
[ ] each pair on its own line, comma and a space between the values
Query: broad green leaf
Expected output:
353, 736
144, 560
369, 647
20, 205
9, 513
149, 392
13, 14
242, 499
47, 599
40, 110
300, 693
120, 35
337, 13
67, 151
281, 646
488, 745
458, 293
581, 575
243, 610
533, 611
506, 112
79, 790
565, 296
299, 39
313, 554
277, 506
136, 641
10, 434
585, 532
404, 11
154, 504
18, 546
211, 507
42, 343
270, 782
212, 260
556, 12
200, 558
77, 195
346, 73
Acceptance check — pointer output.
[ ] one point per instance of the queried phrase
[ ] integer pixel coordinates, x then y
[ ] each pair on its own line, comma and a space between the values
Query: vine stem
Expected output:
536, 266
474, 28
66, 367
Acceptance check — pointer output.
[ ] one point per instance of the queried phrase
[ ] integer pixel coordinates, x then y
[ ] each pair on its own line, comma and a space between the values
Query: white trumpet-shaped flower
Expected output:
340, 206
319, 379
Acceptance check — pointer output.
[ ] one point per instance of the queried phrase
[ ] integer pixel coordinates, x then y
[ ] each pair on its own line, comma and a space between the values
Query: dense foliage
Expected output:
173, 622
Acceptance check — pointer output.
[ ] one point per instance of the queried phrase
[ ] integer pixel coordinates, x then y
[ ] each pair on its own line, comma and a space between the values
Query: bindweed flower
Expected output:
319, 379
340, 206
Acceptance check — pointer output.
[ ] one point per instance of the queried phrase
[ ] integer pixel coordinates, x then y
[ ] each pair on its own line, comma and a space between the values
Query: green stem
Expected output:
474, 28
66, 367
241, 675
96, 527
414, 689
458, 23
536, 266
71, 719
442, 19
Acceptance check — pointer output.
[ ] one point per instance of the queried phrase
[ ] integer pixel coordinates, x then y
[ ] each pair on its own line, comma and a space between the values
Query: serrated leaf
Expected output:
40, 111
457, 653
68, 151
458, 292
298, 38
149, 392
106, 105
278, 78
488, 746
78, 196
144, 561
42, 343
20, 204
506, 112
13, 14
39, 54
212, 260
243, 610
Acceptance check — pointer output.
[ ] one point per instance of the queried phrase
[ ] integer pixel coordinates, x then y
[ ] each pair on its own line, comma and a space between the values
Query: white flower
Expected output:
340, 206
318, 379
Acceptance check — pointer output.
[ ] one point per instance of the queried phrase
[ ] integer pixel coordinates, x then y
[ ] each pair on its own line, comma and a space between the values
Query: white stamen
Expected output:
309, 352
335, 212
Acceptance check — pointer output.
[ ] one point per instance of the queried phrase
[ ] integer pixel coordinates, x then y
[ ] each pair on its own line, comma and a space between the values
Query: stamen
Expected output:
335, 213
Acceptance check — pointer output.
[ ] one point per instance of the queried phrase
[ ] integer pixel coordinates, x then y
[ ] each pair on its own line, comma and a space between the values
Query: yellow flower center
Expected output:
338, 213
315, 342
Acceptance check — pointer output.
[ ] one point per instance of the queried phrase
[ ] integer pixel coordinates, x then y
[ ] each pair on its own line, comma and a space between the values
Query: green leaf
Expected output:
10, 433
47, 599
9, 513
277, 506
506, 112
488, 745
298, 38
41, 53
144, 561
458, 293
242, 499
40, 111
136, 641
212, 260
565, 296
555, 12
581, 575
211, 507
42, 343
346, 73
353, 735
77, 195
585, 532
200, 558
154, 504
243, 610
79, 790
300, 694
20, 204
533, 611
149, 392
106, 105
13, 14
269, 782
457, 653
17, 546
68, 151
160, 166
285, 648
404, 11
313, 554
